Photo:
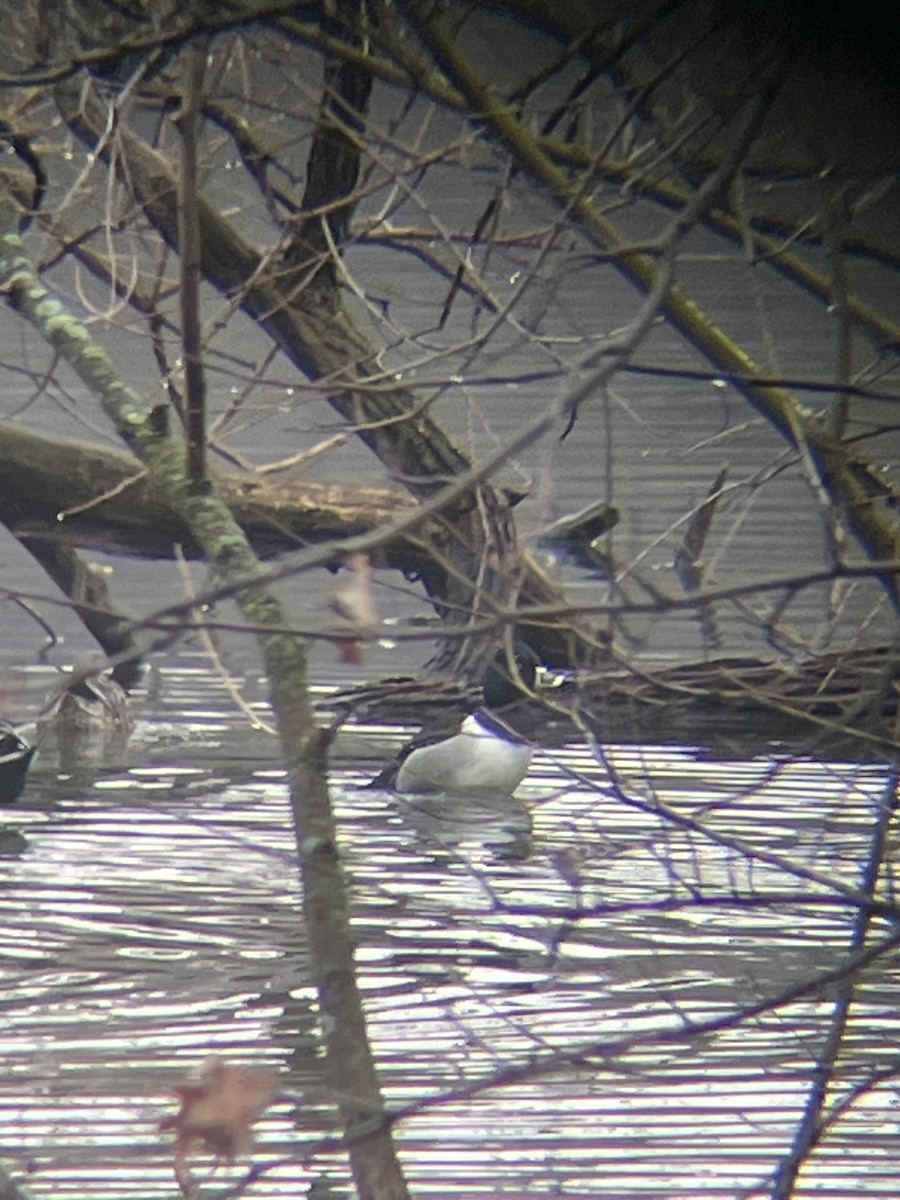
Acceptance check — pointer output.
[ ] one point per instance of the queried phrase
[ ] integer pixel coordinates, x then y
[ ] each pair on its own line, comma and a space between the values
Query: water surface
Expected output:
153, 920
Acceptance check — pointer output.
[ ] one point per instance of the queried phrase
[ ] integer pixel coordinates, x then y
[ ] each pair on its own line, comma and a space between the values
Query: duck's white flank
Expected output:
473, 759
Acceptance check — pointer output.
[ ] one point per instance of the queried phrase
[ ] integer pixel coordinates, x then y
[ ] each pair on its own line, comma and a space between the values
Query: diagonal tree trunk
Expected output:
474, 565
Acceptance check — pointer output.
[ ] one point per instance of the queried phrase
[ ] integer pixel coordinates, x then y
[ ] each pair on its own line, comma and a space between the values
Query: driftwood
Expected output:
59, 496
101, 499
834, 706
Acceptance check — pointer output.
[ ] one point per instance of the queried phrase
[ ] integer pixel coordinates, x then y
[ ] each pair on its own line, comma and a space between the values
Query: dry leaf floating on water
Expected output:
218, 1112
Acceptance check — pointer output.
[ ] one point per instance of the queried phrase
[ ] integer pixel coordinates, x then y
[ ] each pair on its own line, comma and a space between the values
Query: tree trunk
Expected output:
476, 550
350, 1065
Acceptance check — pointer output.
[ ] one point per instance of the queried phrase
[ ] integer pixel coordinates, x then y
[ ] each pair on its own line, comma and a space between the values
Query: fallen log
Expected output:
835, 706
98, 498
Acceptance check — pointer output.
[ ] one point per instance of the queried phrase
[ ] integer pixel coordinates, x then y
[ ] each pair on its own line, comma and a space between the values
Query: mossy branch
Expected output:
349, 1058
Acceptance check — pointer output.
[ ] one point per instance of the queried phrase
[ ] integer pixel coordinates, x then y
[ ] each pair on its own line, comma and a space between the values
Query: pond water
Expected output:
153, 919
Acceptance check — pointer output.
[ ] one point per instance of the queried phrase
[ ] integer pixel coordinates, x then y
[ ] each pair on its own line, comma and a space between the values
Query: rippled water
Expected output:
584, 949
153, 919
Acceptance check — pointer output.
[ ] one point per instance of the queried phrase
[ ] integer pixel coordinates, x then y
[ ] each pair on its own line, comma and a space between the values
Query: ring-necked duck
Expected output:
488, 753
15, 759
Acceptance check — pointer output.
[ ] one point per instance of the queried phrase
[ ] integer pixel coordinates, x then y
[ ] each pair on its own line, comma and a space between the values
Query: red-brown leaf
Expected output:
218, 1112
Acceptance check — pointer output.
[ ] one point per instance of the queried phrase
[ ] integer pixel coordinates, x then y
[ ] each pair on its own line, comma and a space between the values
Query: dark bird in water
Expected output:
15, 759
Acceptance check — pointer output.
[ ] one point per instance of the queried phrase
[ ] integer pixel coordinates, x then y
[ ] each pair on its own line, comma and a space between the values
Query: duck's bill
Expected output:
546, 678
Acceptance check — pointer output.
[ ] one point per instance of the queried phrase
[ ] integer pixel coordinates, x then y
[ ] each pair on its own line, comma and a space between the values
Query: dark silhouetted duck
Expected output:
15, 759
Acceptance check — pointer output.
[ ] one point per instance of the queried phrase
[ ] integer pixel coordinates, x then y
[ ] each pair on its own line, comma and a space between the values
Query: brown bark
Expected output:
99, 498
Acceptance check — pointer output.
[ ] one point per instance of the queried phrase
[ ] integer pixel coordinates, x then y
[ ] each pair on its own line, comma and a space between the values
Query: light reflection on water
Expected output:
154, 919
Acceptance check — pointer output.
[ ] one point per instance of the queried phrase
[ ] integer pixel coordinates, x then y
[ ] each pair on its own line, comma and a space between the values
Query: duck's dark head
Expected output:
501, 686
